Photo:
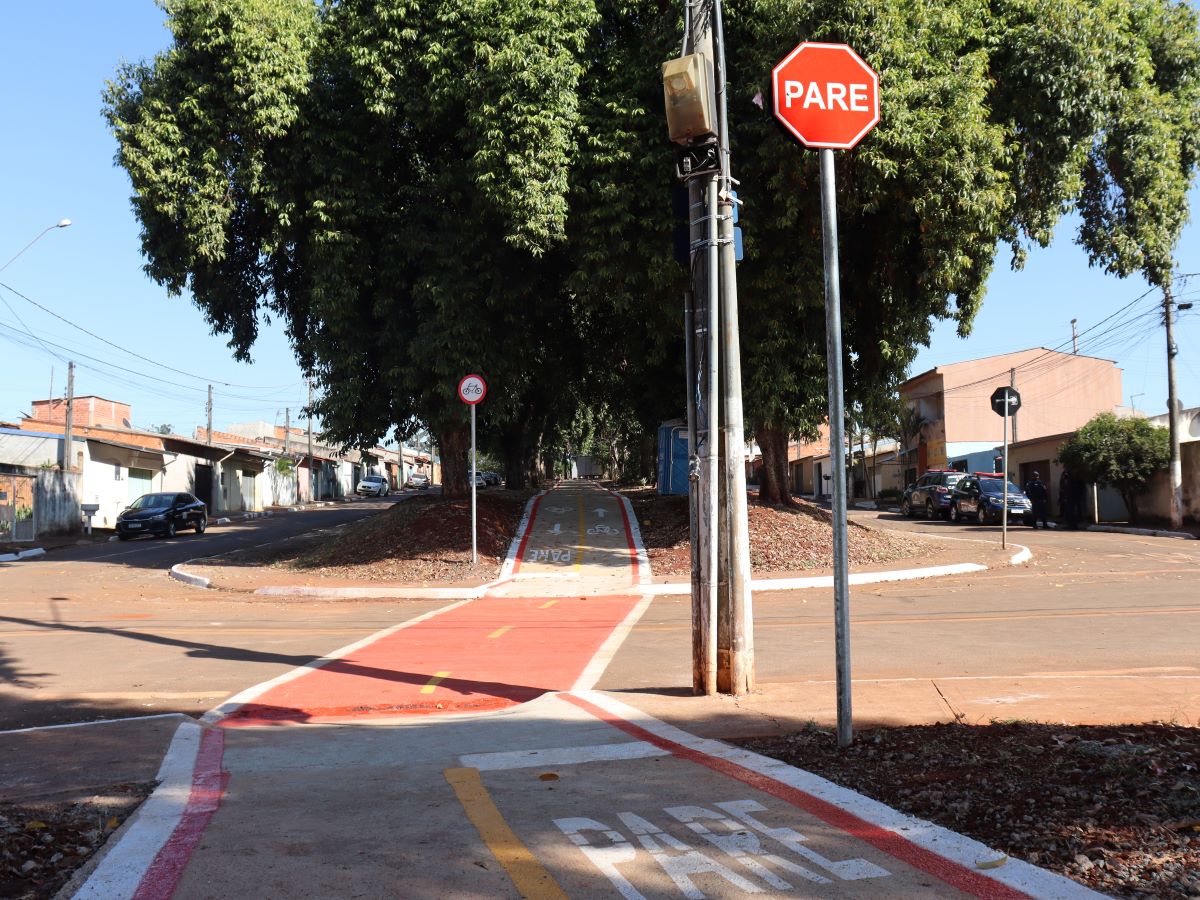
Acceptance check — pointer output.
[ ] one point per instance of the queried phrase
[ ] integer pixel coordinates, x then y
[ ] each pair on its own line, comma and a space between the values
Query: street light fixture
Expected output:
62, 223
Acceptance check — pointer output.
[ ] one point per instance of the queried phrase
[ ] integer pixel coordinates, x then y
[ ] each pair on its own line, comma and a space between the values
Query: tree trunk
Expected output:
773, 489
455, 444
1131, 504
649, 448
512, 440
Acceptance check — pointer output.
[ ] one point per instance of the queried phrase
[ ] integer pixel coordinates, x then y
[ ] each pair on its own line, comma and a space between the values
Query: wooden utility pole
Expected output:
68, 464
208, 410
1176, 466
312, 470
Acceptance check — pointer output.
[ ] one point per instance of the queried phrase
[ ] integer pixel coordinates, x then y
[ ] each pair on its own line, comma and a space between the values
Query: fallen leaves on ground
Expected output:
782, 539
417, 541
43, 843
1114, 807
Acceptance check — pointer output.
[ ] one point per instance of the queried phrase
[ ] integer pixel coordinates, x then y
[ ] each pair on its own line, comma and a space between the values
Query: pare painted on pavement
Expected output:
563, 556
726, 831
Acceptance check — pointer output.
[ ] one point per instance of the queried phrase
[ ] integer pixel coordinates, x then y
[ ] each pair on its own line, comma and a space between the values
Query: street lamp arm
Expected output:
62, 223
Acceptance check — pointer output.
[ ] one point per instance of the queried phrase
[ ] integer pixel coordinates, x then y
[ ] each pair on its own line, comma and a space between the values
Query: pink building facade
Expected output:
1059, 393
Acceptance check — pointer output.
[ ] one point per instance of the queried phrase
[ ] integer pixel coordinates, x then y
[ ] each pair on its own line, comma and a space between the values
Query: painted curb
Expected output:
118, 873
1143, 532
179, 574
826, 581
23, 554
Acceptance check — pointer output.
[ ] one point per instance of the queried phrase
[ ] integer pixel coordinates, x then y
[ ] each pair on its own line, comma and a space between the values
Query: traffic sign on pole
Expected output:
828, 98
1005, 401
471, 391
826, 95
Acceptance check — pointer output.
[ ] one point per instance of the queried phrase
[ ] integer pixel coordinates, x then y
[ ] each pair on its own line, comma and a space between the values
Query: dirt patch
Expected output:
1116, 808
782, 539
43, 843
418, 541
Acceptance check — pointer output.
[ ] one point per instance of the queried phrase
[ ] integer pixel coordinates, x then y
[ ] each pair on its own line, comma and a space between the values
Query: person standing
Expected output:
1068, 504
1038, 496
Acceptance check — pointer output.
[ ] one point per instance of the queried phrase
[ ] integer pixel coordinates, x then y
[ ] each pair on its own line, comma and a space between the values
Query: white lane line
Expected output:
945, 843
510, 560
560, 756
599, 662
238, 700
121, 869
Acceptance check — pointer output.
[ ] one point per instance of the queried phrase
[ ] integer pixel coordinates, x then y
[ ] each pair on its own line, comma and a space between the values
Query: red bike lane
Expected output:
480, 656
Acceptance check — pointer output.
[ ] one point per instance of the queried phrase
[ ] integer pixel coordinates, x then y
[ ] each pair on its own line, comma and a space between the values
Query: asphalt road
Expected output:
1096, 627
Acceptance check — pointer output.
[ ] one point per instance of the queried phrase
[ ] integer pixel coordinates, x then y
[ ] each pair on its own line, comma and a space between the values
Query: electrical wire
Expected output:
97, 337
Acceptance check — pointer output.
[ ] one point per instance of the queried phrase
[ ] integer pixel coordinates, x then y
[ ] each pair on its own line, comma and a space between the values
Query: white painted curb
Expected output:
121, 869
23, 554
179, 574
1143, 532
826, 581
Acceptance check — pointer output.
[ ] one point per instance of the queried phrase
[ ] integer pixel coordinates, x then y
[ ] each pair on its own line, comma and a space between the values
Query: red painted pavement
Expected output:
546, 649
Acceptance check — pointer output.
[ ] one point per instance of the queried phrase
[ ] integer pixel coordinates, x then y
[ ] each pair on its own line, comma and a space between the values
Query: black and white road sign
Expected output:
1005, 401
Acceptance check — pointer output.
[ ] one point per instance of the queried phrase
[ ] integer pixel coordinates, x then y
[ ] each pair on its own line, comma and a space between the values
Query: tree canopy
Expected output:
421, 190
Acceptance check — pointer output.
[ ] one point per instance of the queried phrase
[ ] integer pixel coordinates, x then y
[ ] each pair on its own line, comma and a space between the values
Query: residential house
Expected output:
1059, 393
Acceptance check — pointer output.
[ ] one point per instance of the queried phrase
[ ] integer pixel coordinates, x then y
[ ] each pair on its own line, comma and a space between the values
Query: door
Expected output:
248, 503
140, 482
203, 485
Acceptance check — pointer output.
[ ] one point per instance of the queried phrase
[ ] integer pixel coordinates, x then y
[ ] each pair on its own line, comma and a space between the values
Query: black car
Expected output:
980, 497
162, 514
931, 494
492, 478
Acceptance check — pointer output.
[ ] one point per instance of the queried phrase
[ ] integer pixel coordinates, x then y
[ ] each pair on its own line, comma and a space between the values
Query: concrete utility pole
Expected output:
1074, 337
68, 464
287, 430
1176, 468
312, 472
738, 602
208, 410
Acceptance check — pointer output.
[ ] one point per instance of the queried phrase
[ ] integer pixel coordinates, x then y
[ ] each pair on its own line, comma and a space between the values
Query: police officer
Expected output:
1038, 496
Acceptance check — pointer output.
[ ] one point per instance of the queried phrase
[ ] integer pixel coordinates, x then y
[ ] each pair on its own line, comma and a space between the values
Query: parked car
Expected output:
980, 497
492, 478
480, 481
162, 514
931, 494
375, 485
417, 480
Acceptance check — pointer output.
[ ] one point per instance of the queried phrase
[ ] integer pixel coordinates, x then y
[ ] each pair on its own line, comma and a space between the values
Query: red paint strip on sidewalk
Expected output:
208, 787
633, 556
528, 531
945, 870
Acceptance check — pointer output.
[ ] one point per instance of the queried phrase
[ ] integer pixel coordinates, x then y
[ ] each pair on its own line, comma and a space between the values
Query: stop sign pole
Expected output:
828, 98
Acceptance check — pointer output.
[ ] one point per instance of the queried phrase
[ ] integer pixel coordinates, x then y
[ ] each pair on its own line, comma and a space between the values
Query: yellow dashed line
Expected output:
500, 631
547, 604
434, 682
529, 876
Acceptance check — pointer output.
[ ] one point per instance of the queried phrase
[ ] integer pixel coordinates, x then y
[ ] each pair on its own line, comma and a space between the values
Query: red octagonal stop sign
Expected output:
826, 95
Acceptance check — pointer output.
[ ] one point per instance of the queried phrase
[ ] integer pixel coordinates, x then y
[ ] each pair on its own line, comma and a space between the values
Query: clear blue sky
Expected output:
57, 162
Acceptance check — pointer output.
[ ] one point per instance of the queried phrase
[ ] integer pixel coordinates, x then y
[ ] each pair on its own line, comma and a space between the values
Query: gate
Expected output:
17, 519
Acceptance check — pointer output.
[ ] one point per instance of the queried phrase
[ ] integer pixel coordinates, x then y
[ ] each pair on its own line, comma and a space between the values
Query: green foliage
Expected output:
1123, 453
285, 466
421, 190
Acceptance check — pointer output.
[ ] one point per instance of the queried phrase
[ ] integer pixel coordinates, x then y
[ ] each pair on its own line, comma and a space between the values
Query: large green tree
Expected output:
389, 177
998, 116
1123, 453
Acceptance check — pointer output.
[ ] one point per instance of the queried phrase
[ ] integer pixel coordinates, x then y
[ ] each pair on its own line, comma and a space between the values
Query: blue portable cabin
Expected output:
673, 457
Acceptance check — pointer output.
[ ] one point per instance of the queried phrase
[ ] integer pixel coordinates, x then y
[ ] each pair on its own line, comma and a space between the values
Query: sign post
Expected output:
471, 391
828, 98
1005, 401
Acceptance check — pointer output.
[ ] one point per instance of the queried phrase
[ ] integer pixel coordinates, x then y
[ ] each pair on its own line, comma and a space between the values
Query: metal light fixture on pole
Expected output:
471, 390
61, 223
